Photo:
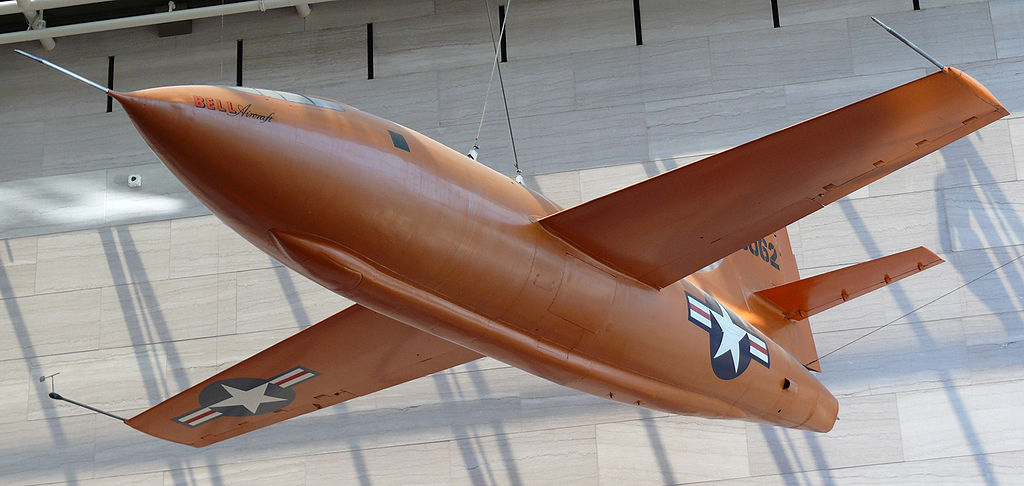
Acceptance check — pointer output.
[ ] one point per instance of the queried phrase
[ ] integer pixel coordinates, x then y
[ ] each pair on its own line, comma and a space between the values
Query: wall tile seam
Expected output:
359, 26
105, 226
946, 255
624, 164
140, 345
880, 463
782, 17
308, 456
904, 324
106, 169
137, 283
540, 57
928, 386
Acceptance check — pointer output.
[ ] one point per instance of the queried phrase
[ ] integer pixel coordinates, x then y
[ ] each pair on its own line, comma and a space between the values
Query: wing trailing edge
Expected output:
669, 226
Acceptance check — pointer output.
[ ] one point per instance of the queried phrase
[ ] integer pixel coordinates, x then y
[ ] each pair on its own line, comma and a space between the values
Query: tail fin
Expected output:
764, 264
761, 283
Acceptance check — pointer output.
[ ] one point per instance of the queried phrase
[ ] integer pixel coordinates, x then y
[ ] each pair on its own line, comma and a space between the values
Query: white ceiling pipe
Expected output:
11, 6
152, 19
36, 22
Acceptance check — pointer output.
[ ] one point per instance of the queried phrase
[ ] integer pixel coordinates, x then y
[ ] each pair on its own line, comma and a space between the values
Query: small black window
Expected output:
399, 141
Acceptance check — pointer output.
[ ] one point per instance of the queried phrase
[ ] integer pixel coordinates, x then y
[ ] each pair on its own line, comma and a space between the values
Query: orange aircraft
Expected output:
666, 294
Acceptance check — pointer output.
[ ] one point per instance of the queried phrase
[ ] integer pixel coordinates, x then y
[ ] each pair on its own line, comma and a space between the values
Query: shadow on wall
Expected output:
474, 456
998, 232
40, 389
997, 294
145, 324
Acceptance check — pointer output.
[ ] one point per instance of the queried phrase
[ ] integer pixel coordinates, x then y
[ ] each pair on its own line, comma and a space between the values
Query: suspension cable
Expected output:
495, 67
922, 306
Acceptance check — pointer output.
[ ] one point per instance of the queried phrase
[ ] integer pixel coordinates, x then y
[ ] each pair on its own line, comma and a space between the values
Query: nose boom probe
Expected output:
90, 82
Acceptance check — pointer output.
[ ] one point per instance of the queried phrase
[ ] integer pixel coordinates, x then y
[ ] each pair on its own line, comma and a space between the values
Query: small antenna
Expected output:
65, 71
910, 44
42, 379
55, 396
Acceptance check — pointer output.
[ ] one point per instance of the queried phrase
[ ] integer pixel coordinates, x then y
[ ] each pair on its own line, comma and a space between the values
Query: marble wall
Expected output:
135, 294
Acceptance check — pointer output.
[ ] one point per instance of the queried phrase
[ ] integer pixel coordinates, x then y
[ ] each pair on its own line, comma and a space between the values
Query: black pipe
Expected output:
636, 23
501, 24
238, 63
369, 50
110, 82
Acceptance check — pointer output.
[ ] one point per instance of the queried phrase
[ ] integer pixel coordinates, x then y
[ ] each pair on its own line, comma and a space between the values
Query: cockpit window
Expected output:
294, 98
323, 103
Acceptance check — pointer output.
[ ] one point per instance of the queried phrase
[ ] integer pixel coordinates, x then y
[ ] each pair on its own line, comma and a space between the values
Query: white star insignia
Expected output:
731, 337
250, 399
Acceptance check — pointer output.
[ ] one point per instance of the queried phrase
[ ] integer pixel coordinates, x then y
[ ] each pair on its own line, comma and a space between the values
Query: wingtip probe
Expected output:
909, 44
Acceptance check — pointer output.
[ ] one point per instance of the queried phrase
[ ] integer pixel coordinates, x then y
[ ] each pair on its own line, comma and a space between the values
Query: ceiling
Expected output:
104, 10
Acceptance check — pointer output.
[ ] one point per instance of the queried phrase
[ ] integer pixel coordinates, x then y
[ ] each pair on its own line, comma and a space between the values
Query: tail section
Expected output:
761, 282
764, 264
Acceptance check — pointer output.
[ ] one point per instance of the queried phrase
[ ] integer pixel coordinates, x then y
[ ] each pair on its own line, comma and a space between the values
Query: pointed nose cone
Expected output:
188, 141
161, 119
230, 150
214, 156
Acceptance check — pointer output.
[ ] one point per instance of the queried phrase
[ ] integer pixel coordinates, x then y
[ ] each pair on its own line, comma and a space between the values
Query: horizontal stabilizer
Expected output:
669, 226
352, 353
806, 297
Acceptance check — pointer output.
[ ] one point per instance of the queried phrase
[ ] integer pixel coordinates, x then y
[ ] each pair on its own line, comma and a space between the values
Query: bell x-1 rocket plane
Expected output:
679, 293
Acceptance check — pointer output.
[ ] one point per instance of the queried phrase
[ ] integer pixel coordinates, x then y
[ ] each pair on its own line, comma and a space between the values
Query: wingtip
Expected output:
979, 90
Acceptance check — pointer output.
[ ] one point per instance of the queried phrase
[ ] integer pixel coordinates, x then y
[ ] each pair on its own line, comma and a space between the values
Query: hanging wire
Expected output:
922, 306
496, 67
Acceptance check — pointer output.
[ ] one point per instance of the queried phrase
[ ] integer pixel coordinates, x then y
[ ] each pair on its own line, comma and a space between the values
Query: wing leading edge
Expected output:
667, 227
352, 353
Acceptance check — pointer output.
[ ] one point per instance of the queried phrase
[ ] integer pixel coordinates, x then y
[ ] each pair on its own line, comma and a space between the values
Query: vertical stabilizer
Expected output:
764, 264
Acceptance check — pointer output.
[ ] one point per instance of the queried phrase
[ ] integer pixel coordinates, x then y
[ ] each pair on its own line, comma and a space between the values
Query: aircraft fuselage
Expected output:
416, 231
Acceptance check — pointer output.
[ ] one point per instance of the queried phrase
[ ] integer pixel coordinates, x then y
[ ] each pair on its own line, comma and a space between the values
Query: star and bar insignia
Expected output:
727, 334
242, 397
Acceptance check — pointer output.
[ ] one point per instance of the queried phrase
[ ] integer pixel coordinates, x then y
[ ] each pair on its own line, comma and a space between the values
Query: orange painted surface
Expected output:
804, 298
592, 297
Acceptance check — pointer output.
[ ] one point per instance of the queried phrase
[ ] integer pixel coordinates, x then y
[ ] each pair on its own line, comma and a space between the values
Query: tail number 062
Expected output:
766, 251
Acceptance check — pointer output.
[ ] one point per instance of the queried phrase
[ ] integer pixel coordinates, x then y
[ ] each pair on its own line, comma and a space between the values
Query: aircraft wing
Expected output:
667, 227
352, 353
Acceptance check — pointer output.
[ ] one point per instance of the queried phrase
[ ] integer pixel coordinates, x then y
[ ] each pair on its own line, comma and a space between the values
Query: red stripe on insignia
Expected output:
289, 378
205, 414
700, 311
295, 379
758, 347
289, 375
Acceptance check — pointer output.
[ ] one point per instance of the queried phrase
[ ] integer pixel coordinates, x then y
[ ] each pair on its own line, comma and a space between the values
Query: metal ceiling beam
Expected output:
35, 22
302, 8
13, 6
